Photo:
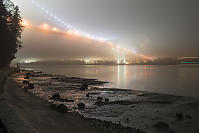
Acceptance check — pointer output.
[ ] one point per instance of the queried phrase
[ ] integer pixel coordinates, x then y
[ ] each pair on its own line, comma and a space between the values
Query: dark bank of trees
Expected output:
10, 31
165, 61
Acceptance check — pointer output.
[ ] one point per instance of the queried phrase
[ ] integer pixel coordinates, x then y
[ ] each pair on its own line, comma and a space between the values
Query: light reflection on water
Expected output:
178, 80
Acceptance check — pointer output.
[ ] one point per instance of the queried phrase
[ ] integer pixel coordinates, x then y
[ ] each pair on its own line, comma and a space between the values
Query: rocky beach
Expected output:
99, 66
112, 109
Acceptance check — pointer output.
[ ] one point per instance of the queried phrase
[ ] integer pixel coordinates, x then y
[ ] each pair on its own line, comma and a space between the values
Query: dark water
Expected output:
177, 80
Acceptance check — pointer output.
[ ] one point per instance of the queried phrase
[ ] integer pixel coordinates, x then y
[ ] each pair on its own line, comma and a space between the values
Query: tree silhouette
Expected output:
10, 31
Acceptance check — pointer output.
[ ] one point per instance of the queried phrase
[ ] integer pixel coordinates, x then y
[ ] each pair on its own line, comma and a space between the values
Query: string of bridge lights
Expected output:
63, 24
69, 29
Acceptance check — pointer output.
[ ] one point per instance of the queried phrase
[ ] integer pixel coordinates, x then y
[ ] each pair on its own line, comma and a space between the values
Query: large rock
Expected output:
30, 86
106, 100
26, 77
25, 82
81, 106
179, 116
188, 116
84, 87
28, 74
99, 98
100, 103
161, 125
66, 100
56, 97
60, 108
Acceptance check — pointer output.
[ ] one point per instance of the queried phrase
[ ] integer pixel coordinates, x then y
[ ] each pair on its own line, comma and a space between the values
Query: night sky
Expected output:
156, 28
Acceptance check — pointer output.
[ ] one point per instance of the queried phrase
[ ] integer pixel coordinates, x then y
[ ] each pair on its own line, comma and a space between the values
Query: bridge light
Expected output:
111, 44
55, 29
88, 36
45, 26
69, 32
102, 41
118, 46
76, 33
24, 23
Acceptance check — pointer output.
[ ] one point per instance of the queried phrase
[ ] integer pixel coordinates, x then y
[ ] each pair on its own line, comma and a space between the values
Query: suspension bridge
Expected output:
63, 28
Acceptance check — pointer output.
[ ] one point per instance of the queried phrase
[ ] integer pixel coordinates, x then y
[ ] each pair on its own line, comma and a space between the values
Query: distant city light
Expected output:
76, 33
88, 61
30, 60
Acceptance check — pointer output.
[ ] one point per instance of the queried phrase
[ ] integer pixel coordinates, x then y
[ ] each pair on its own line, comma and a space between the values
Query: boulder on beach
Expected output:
55, 78
56, 97
30, 86
163, 127
106, 100
179, 116
28, 74
61, 108
99, 98
25, 81
88, 95
65, 100
81, 105
188, 116
84, 87
100, 103
26, 77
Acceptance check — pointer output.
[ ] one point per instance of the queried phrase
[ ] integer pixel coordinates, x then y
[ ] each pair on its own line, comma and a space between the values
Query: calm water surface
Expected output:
177, 80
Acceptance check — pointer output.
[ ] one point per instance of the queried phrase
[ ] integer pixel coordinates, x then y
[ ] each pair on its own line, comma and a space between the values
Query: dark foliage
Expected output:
10, 31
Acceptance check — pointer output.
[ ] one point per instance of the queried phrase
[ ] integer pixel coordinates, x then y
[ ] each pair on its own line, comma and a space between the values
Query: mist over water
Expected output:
176, 80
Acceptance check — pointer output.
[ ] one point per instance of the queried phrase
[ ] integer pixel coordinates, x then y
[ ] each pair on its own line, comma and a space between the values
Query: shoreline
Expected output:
40, 117
111, 104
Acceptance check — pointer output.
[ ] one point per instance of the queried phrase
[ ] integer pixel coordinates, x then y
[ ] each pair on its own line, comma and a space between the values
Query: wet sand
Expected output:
150, 112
